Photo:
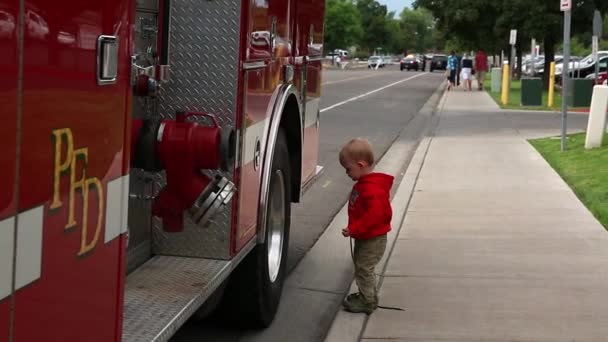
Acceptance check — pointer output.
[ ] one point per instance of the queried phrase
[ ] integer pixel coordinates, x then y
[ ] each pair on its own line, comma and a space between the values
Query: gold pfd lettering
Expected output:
60, 167
88, 184
75, 161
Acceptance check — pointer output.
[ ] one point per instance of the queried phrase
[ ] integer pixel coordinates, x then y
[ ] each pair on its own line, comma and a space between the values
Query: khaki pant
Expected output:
480, 77
367, 255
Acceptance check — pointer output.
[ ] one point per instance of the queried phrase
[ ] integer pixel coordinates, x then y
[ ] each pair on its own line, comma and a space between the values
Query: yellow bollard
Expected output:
504, 97
551, 100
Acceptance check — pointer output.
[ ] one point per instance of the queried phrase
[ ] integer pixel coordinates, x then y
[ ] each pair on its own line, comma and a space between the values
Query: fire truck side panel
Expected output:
263, 67
255, 105
9, 18
69, 267
310, 14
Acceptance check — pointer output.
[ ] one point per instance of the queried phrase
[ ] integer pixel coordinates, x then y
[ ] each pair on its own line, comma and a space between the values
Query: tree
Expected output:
468, 24
374, 20
342, 24
417, 30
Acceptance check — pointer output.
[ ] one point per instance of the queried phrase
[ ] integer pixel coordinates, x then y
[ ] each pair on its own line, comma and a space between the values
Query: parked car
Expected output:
601, 79
575, 66
439, 62
585, 68
375, 61
410, 62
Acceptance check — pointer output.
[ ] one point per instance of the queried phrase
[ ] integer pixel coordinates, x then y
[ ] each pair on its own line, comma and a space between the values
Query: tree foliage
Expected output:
418, 30
367, 25
486, 23
342, 24
374, 20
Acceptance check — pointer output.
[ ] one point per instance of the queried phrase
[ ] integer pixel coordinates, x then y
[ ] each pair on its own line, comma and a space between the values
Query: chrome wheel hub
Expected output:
276, 225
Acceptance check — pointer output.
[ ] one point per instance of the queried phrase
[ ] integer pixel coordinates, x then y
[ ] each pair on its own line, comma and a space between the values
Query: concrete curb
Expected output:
348, 326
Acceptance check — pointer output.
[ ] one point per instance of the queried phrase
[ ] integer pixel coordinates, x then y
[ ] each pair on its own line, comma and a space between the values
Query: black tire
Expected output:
252, 298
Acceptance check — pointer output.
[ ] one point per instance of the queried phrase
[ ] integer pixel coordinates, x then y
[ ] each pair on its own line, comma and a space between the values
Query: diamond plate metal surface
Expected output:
163, 293
204, 54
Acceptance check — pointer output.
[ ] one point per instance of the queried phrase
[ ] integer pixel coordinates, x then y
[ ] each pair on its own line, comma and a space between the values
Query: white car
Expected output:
375, 62
582, 64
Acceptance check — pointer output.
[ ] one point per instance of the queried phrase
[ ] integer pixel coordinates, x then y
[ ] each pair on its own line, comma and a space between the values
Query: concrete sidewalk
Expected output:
494, 245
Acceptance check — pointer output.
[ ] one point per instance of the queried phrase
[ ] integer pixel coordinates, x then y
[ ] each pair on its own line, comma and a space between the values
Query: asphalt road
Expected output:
386, 102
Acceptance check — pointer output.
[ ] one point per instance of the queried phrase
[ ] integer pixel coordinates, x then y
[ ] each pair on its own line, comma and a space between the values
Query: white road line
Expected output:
352, 79
369, 93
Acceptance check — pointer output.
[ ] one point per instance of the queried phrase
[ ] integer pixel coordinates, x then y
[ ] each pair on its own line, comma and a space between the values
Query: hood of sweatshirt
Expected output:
377, 180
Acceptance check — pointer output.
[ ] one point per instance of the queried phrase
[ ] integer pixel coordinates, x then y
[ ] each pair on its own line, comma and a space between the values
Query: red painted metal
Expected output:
295, 20
9, 21
8, 105
78, 296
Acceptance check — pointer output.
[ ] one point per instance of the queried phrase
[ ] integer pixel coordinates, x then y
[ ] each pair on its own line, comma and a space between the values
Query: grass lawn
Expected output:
585, 171
515, 97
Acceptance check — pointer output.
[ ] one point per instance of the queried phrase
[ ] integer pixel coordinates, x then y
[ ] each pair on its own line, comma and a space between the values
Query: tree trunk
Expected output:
549, 47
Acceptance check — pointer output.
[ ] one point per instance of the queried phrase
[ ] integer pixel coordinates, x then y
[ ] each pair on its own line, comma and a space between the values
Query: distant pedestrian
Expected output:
459, 59
467, 73
481, 67
369, 221
452, 69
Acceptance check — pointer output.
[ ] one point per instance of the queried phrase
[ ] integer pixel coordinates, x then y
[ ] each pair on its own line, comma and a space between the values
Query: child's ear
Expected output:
361, 163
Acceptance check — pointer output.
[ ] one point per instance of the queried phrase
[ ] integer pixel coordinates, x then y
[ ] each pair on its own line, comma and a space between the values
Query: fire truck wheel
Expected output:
254, 290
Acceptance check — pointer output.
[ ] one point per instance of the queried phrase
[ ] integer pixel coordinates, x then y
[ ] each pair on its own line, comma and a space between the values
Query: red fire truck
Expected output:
150, 153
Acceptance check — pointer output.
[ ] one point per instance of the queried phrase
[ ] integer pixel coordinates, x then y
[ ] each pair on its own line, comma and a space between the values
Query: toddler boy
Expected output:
369, 220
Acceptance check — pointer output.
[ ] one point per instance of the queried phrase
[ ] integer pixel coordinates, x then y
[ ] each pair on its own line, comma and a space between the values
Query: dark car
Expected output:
409, 63
439, 62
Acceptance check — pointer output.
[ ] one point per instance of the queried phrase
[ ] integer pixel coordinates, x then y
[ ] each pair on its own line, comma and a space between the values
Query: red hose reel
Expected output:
183, 149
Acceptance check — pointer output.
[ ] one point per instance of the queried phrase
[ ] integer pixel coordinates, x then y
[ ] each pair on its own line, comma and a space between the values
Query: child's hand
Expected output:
345, 232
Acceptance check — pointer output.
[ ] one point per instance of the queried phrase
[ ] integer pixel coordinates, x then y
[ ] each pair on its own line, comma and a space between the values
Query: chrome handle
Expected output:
107, 60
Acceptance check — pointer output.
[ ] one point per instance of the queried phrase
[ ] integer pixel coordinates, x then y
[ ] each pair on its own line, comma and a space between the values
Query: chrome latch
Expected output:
107, 60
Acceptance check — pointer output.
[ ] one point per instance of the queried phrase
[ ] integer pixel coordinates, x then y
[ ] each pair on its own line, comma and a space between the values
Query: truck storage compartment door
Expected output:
69, 265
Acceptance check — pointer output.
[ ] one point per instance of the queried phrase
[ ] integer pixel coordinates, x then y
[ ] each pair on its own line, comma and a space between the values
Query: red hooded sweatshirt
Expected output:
369, 207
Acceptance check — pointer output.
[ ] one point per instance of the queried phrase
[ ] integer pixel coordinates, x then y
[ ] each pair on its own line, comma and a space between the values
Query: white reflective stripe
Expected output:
252, 134
117, 203
29, 246
7, 235
312, 107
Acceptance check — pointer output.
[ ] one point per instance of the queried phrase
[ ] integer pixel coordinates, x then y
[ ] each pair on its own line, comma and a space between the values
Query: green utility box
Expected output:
580, 91
531, 91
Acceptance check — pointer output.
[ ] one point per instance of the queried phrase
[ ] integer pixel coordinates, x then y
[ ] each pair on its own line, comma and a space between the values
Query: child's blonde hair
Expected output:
358, 149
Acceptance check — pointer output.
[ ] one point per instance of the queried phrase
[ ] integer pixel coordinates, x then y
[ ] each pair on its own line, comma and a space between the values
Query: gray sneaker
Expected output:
355, 303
